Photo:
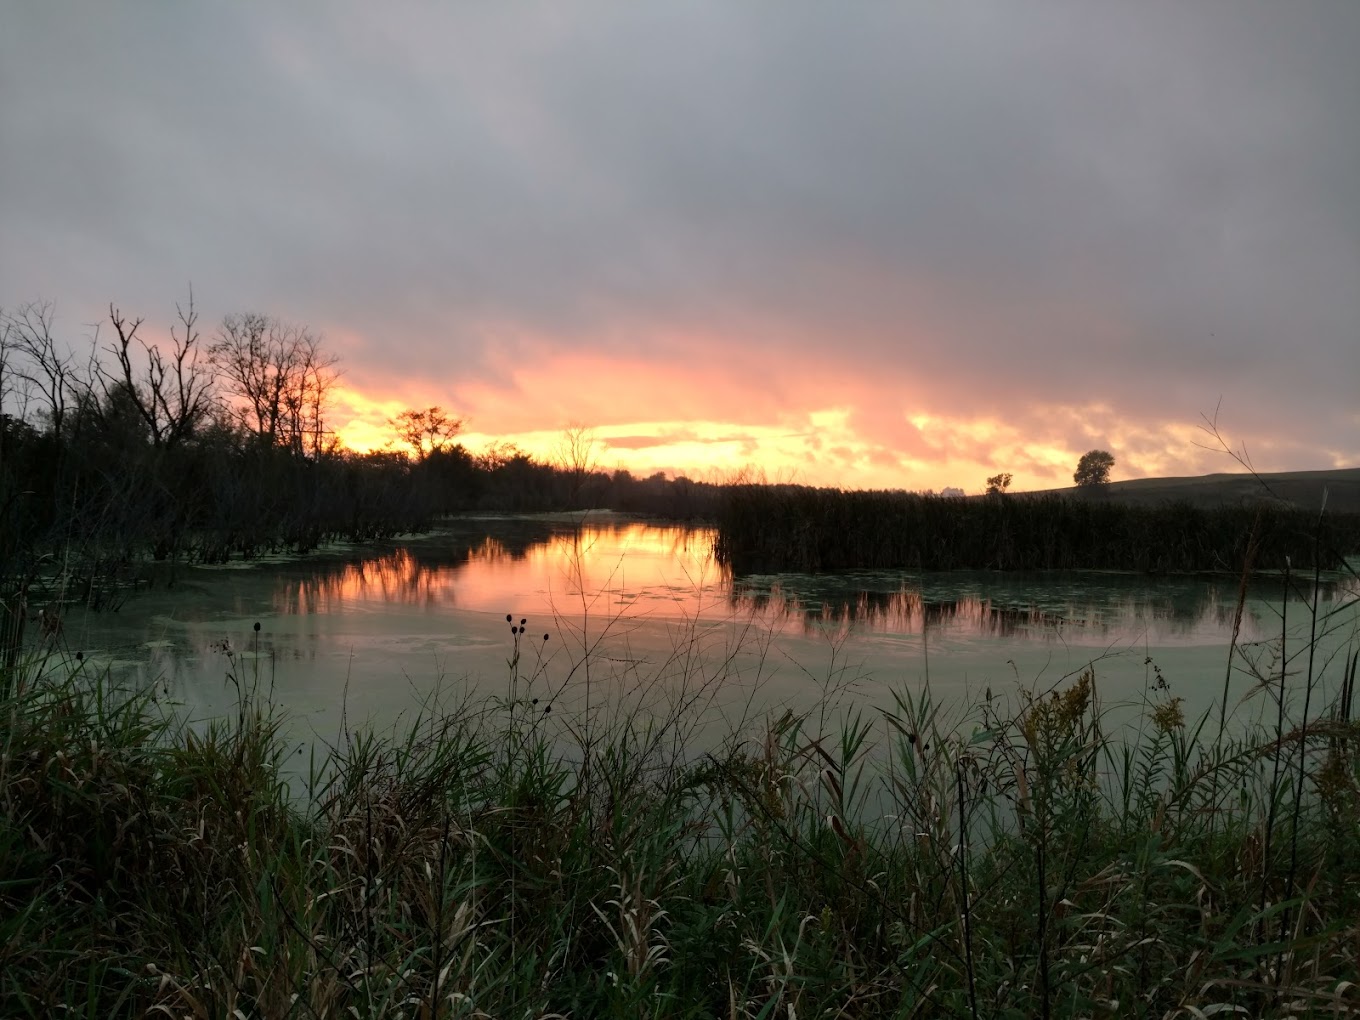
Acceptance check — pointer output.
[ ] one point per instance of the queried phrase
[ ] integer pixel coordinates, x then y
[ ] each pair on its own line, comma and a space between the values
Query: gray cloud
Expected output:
992, 207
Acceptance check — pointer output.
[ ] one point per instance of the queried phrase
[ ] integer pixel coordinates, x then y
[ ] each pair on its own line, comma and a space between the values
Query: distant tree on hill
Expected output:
998, 484
1093, 470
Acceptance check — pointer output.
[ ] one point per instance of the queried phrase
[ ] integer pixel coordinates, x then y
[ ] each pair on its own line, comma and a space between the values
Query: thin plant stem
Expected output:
1279, 740
1303, 725
963, 882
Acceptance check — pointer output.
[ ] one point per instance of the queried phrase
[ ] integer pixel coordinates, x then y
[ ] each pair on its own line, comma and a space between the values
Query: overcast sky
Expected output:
890, 244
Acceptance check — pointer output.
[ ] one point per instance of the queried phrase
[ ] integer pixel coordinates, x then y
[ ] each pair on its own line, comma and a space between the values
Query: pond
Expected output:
639, 618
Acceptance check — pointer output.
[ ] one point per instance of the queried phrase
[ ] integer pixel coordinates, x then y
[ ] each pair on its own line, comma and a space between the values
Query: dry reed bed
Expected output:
764, 529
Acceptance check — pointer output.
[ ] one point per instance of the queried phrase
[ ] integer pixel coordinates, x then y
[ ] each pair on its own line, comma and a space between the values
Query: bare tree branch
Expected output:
280, 377
170, 397
48, 369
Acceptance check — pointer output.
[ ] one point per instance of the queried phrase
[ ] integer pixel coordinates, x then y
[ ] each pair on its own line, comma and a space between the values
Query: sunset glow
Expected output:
825, 447
786, 432
906, 246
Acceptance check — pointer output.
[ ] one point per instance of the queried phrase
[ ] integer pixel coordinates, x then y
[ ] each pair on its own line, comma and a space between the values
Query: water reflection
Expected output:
1097, 615
611, 566
366, 634
1081, 607
899, 612
522, 565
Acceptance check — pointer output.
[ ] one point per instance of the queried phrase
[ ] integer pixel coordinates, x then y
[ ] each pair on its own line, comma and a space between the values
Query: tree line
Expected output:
196, 448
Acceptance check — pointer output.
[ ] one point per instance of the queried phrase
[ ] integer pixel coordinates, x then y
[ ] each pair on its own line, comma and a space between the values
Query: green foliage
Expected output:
1093, 470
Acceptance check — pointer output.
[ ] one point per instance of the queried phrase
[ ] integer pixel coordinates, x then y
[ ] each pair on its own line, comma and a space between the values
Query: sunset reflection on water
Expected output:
633, 569
626, 567
357, 631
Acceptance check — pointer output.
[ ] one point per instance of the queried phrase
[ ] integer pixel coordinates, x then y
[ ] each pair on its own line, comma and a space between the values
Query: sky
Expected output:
897, 245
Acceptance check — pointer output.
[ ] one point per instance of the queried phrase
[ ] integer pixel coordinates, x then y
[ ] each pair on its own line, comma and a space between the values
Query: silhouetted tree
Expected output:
497, 454
170, 396
280, 376
44, 367
1093, 470
575, 454
998, 484
426, 432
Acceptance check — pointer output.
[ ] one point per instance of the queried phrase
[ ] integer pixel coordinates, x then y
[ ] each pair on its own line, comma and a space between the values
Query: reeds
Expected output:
1044, 854
763, 529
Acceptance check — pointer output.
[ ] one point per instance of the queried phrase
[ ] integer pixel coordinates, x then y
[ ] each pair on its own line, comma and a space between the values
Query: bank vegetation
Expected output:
1040, 853
766, 529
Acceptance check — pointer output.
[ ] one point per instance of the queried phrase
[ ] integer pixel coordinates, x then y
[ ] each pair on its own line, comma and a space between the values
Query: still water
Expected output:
635, 616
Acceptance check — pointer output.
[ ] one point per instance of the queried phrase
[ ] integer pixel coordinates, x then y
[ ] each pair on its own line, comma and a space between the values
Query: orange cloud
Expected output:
693, 403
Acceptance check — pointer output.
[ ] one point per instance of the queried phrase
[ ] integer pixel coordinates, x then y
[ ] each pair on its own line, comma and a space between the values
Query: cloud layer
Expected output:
889, 244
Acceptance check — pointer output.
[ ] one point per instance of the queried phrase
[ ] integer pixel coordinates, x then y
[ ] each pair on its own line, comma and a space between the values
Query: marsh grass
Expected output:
763, 529
1039, 854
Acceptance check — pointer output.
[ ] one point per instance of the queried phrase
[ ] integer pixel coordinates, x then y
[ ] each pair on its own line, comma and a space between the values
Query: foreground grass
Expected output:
497, 862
